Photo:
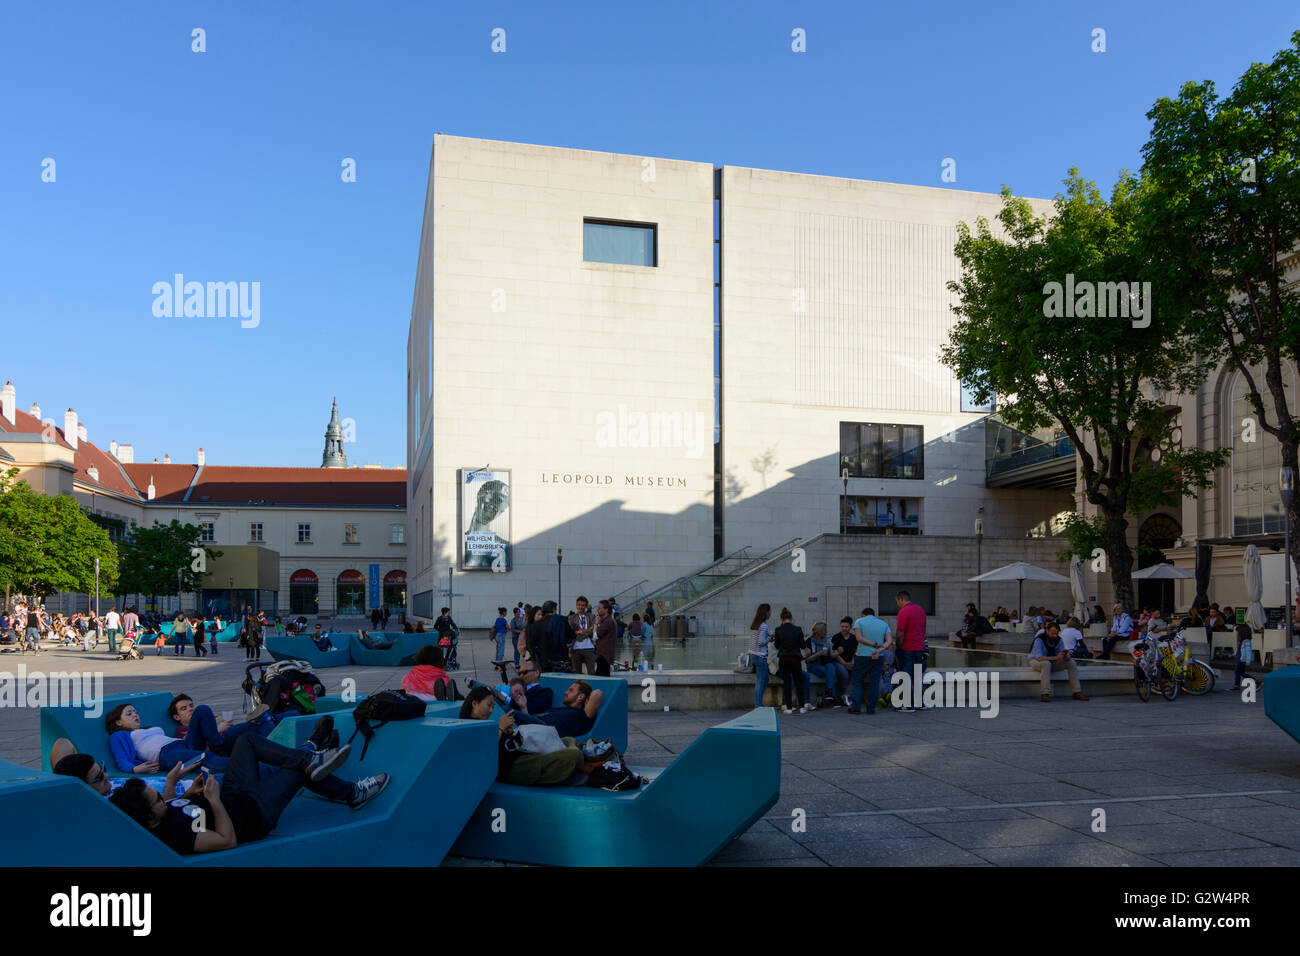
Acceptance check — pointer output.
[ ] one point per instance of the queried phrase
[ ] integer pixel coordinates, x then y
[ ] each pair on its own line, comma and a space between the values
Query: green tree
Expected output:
1058, 363
164, 559
48, 544
1224, 205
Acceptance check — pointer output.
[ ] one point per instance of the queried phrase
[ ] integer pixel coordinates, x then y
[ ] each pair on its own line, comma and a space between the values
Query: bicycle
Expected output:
1148, 670
1193, 675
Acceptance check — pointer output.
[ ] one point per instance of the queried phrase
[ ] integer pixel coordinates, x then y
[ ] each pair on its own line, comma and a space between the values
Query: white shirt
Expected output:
113, 621
585, 622
149, 742
1070, 636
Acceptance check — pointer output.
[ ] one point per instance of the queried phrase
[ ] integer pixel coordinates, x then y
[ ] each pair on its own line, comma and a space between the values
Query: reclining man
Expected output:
201, 729
576, 714
526, 769
206, 819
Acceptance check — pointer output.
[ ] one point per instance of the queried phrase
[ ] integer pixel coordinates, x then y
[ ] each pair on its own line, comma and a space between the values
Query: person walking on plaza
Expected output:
790, 645
32, 633
112, 628
910, 631
761, 637
500, 628
180, 633
131, 622
1049, 654
873, 637
376, 618
199, 628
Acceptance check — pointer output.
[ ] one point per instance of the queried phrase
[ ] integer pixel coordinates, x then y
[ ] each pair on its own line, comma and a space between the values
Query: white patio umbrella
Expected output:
1021, 571
1162, 572
1250, 567
1077, 587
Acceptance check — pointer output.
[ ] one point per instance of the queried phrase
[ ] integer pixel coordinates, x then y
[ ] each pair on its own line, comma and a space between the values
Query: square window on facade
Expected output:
255, 531
209, 532
624, 243
304, 534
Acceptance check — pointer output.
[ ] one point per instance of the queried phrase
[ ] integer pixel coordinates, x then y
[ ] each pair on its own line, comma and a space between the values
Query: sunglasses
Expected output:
99, 777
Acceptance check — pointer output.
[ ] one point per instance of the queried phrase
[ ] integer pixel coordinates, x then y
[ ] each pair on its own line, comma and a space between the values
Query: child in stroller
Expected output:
127, 651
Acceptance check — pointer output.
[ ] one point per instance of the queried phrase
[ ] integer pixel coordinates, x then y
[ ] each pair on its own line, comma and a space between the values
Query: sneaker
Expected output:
811, 705
327, 761
847, 702
785, 710
368, 789
596, 749
320, 734
803, 709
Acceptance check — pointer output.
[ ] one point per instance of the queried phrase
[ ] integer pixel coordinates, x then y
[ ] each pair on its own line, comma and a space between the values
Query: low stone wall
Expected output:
725, 690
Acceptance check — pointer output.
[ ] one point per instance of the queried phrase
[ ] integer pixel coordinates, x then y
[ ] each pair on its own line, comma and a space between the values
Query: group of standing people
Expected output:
587, 638
853, 663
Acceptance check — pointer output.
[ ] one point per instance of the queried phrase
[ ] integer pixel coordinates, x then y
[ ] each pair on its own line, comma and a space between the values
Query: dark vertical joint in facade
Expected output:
719, 485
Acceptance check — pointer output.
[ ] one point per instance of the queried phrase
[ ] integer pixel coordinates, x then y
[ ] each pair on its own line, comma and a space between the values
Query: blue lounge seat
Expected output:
1282, 699
714, 791
366, 657
611, 719
284, 647
88, 733
440, 770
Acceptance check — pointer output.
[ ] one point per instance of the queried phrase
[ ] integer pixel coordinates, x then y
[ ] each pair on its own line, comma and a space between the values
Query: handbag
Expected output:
538, 739
1081, 651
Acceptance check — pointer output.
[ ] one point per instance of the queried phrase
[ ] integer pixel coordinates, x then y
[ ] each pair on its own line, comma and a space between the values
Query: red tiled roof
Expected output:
170, 481
226, 484
86, 454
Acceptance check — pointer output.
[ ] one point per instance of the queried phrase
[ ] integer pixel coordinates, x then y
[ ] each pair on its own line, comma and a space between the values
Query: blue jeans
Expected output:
833, 672
761, 677
514, 643
273, 792
866, 669
178, 752
501, 648
202, 732
912, 663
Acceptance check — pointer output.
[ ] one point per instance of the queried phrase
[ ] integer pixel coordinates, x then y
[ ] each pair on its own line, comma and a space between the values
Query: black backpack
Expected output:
614, 775
382, 707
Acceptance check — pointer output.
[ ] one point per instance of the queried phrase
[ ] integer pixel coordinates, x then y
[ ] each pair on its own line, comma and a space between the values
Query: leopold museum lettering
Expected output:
636, 481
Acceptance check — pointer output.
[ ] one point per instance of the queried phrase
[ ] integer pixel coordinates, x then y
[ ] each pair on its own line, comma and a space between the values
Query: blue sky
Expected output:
225, 165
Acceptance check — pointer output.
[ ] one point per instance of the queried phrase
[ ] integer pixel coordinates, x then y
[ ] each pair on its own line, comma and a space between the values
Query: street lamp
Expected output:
559, 580
1287, 486
844, 477
979, 561
233, 612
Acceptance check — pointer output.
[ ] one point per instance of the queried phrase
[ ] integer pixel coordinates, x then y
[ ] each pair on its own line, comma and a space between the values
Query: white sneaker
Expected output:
847, 701
803, 709
785, 710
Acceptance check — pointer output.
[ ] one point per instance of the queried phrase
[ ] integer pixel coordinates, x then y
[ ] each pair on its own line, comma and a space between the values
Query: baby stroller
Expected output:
283, 686
127, 651
448, 643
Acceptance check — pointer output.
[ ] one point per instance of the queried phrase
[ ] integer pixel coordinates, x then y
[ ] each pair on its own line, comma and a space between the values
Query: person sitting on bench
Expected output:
214, 816
373, 643
540, 699
517, 767
428, 678
576, 715
322, 641
148, 750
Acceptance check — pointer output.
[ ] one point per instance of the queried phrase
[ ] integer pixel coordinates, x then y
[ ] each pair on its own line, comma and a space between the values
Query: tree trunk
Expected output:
1121, 560
1289, 460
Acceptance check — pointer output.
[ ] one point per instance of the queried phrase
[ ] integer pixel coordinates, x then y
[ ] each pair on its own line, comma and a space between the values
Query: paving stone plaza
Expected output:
1195, 782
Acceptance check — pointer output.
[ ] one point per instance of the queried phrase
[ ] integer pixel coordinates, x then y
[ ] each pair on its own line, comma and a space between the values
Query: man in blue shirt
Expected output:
575, 717
872, 635
1121, 626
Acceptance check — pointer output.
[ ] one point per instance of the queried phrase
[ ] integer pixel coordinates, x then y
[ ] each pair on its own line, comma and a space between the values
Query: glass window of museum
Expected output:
1256, 458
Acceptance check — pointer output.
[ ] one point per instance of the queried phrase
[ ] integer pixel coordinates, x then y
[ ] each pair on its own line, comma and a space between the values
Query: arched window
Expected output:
351, 590
1256, 458
395, 591
304, 592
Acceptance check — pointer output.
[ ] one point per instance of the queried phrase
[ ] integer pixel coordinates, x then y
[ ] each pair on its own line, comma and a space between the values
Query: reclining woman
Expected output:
146, 750
527, 769
246, 807
428, 678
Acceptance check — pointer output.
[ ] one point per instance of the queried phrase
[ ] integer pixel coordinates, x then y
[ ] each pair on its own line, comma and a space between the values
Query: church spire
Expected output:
334, 456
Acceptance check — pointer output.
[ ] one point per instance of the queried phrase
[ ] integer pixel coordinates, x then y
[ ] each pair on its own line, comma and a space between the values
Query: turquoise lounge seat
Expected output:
1282, 699
283, 647
611, 719
714, 791
440, 771
367, 657
88, 733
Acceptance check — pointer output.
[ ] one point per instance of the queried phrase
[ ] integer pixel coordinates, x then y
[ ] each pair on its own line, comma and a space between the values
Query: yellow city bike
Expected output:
1193, 675
1148, 671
